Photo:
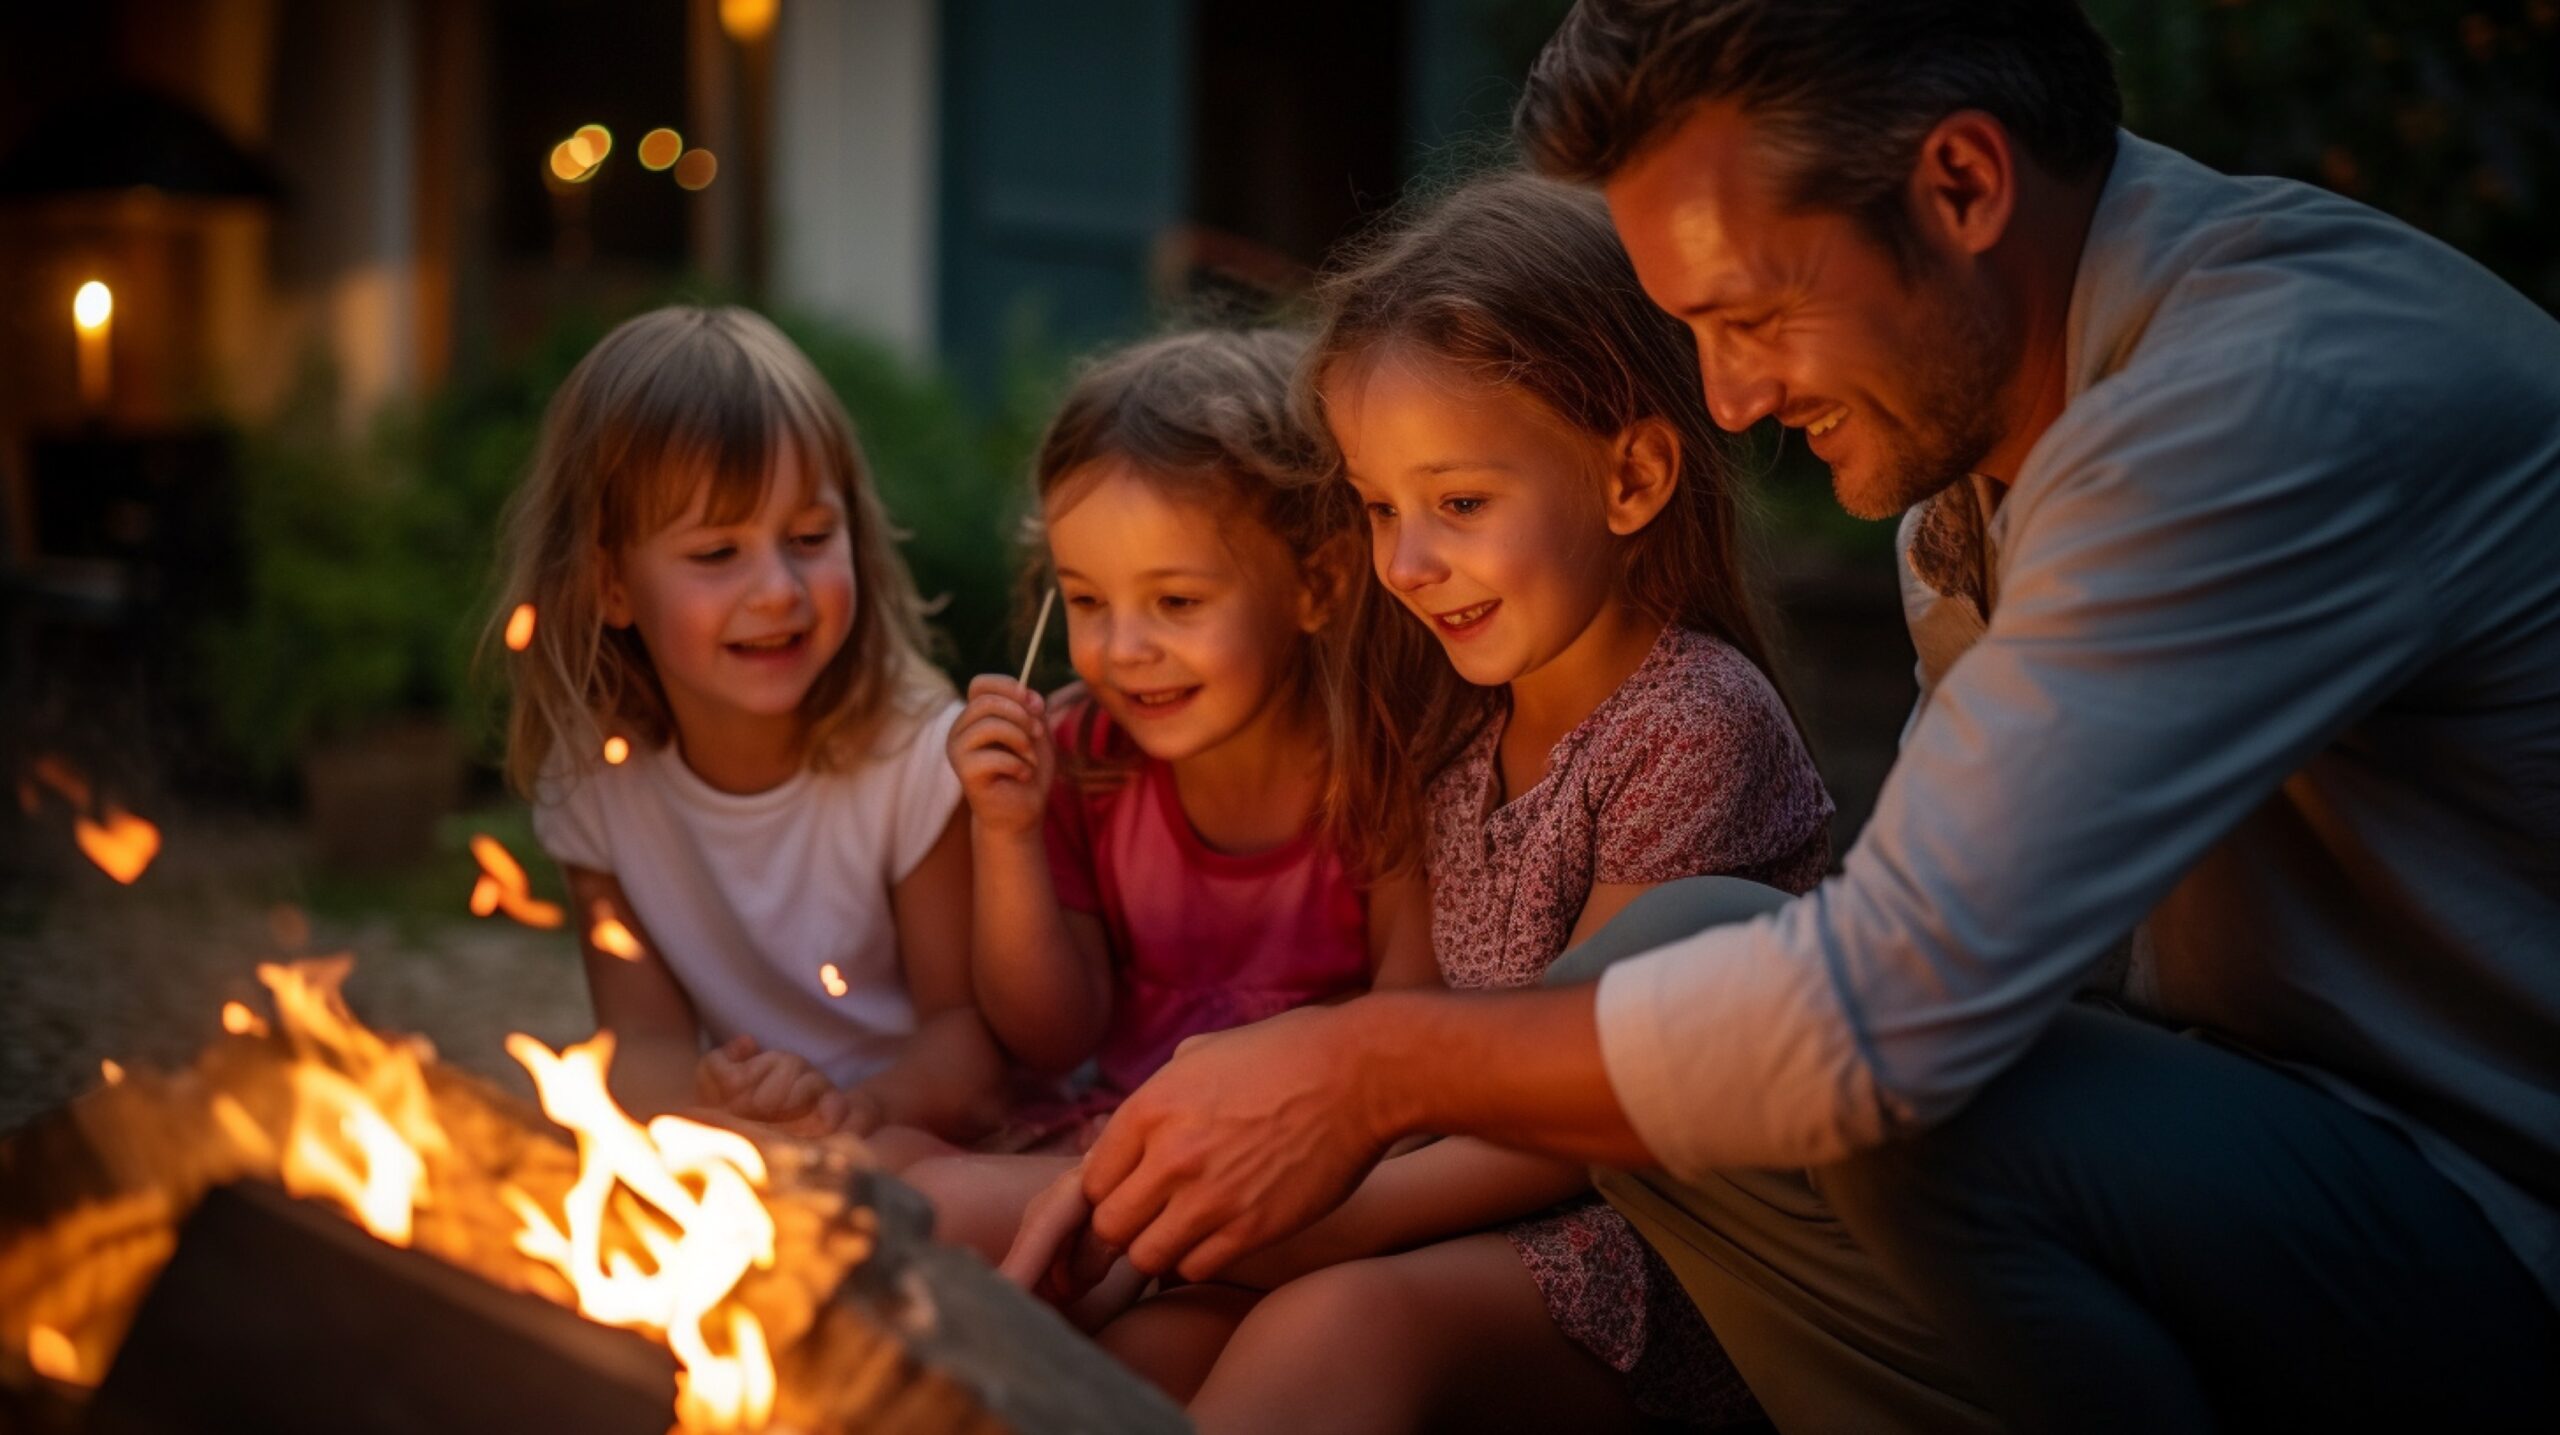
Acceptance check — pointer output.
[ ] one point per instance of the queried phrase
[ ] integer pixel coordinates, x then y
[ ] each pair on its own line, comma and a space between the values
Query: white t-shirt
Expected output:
747, 898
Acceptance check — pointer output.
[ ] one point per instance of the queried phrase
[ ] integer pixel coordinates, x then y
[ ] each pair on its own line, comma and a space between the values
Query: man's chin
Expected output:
1878, 496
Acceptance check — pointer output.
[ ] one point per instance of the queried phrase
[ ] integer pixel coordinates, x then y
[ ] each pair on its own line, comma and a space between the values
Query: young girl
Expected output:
1160, 849
1559, 640
734, 742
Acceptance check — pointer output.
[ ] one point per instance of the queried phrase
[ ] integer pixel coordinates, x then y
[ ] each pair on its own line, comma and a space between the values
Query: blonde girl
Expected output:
720, 600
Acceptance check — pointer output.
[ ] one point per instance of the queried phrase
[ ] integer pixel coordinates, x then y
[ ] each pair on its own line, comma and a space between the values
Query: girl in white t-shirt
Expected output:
734, 743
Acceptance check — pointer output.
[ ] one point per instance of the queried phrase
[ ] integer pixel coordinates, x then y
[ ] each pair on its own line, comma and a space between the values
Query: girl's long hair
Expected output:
1208, 417
1517, 283
669, 401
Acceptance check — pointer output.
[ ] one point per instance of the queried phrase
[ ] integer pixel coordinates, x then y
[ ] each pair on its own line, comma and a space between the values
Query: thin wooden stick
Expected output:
1039, 626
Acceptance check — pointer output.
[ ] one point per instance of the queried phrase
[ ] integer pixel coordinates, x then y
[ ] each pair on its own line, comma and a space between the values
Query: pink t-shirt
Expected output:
1201, 940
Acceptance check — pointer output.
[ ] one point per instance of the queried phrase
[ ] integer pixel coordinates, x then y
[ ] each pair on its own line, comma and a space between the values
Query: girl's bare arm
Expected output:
657, 1038
1042, 974
948, 1079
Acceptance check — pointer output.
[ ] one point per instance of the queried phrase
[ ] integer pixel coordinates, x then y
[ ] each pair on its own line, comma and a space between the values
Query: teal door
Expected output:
1066, 150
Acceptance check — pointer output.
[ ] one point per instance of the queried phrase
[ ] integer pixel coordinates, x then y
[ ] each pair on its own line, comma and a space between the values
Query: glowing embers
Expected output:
677, 1192
121, 844
503, 884
612, 937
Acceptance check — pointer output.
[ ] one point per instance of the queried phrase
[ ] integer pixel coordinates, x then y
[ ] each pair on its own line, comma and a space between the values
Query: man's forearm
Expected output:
1522, 1069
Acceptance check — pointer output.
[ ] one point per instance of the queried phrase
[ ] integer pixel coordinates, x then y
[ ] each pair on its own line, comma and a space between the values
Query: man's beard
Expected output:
1952, 403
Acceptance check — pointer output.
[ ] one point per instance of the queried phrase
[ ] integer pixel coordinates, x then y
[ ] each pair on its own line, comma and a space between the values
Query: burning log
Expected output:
104, 1203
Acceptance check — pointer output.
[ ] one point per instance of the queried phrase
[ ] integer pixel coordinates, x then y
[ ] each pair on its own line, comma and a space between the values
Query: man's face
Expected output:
1894, 379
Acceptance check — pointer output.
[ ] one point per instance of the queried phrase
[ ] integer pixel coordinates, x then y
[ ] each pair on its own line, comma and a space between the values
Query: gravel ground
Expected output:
92, 970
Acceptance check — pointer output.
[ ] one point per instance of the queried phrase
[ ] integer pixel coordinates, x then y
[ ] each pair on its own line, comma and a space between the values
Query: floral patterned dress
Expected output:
1691, 768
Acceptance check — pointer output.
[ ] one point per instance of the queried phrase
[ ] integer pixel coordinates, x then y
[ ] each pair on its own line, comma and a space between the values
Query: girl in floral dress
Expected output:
1561, 698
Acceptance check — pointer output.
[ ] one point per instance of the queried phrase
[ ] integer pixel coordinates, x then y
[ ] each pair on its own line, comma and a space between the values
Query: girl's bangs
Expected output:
715, 432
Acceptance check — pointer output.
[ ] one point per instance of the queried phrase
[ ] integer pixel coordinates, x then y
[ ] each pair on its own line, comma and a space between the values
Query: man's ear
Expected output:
1964, 187
613, 596
1644, 470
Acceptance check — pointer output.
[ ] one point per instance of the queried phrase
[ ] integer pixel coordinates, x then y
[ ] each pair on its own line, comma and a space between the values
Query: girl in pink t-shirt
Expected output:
1159, 849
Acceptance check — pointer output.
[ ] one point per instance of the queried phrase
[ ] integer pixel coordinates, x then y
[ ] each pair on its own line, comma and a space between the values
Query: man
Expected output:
2234, 546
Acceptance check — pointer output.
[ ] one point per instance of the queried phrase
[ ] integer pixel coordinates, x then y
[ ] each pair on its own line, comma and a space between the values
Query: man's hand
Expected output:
1244, 1137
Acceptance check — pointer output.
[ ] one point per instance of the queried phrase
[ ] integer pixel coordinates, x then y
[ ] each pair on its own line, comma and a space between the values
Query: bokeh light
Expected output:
697, 169
594, 143
659, 148
565, 164
748, 21
91, 307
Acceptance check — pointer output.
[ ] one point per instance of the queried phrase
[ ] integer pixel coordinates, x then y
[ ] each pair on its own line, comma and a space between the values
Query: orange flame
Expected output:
513, 891
122, 846
696, 1216
484, 896
832, 980
238, 1020
520, 627
362, 1124
108, 1068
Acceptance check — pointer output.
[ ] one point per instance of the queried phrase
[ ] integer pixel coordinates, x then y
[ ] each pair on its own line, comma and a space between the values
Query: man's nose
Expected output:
1739, 393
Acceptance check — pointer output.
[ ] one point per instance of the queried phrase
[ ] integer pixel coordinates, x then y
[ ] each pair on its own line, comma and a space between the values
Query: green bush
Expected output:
372, 557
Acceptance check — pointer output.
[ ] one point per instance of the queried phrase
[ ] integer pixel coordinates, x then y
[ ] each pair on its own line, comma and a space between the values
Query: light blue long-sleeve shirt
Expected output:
2271, 669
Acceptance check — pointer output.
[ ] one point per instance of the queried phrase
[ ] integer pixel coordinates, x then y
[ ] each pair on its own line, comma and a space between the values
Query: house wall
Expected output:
852, 207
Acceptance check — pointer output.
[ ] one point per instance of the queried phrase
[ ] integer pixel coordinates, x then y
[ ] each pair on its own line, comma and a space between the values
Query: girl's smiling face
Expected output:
1182, 618
740, 618
1488, 516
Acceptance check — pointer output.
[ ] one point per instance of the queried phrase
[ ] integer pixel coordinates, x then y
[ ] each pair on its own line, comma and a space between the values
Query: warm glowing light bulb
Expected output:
748, 21
92, 306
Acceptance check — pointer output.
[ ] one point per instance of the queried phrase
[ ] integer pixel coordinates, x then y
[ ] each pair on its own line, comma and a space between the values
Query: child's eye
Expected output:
815, 540
707, 556
1177, 602
1464, 507
1083, 600
1379, 512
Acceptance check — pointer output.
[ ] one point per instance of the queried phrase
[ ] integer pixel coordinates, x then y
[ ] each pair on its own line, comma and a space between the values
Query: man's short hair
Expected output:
1845, 90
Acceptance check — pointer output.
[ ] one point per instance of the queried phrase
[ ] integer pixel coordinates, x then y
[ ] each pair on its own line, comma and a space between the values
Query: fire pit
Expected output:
315, 1227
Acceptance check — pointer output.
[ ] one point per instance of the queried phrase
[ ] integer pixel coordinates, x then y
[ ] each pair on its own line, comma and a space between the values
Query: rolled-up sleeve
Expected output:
2206, 576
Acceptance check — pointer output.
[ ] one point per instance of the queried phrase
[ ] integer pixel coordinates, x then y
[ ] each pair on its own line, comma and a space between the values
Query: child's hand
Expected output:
779, 1089
1056, 1257
1000, 747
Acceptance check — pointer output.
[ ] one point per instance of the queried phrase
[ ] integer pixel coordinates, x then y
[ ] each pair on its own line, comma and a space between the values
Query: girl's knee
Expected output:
1339, 1312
